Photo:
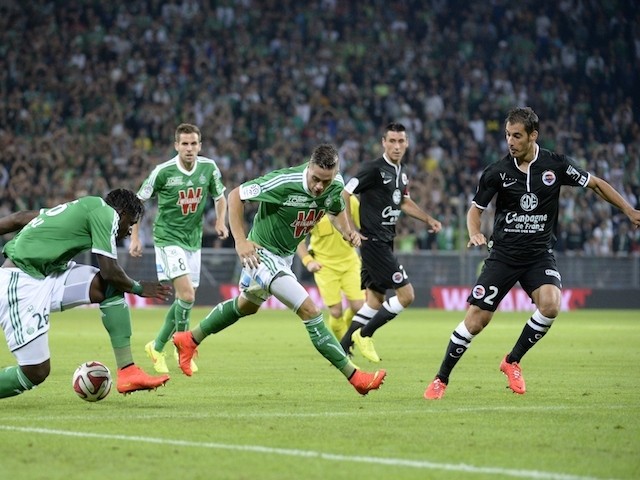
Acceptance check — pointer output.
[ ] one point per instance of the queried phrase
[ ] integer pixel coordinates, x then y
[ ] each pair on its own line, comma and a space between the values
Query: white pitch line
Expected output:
223, 415
393, 462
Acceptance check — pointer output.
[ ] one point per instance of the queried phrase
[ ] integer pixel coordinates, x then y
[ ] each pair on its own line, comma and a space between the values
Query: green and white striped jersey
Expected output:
47, 243
287, 210
181, 200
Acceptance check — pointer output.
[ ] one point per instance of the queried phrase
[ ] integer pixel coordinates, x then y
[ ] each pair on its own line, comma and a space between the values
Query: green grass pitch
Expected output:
266, 405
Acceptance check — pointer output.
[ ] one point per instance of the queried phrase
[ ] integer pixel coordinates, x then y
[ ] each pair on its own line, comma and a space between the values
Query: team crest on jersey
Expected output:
396, 197
174, 181
250, 191
478, 292
328, 202
528, 201
202, 179
549, 178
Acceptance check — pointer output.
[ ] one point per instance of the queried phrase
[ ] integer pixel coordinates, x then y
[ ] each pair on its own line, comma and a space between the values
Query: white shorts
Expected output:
255, 283
173, 262
26, 304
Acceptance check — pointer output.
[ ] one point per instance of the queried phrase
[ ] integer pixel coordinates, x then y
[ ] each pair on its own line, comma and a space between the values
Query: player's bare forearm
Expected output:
476, 237
221, 218
342, 224
236, 216
605, 191
245, 248
347, 209
135, 246
409, 207
17, 220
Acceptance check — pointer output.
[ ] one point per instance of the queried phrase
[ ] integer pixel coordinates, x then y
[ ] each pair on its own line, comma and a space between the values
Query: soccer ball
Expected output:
92, 381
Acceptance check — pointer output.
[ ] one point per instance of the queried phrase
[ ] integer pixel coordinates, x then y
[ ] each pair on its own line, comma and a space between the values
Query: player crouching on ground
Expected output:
39, 277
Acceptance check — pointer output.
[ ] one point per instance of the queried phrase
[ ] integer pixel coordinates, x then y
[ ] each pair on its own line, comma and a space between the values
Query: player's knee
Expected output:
550, 309
476, 319
308, 310
188, 297
37, 373
245, 307
406, 295
335, 310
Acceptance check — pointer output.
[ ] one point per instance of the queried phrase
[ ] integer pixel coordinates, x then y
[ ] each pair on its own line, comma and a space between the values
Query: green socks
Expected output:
223, 315
117, 320
182, 315
13, 382
176, 320
328, 346
167, 330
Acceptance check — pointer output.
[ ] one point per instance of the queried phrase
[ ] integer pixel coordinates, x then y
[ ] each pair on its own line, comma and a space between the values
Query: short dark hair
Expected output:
394, 127
187, 128
125, 201
325, 156
524, 115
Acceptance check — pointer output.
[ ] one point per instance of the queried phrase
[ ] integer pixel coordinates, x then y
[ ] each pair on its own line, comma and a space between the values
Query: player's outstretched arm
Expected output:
476, 237
611, 195
343, 225
244, 247
17, 220
112, 272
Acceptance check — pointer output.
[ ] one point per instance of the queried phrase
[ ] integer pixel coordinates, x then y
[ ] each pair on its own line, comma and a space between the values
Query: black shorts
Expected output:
498, 277
380, 268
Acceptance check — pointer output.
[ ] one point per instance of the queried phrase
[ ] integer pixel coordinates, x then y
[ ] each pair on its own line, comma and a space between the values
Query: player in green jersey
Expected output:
291, 201
39, 277
181, 185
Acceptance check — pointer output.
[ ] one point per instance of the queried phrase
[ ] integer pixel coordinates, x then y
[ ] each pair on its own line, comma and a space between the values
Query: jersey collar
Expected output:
305, 185
182, 169
535, 156
386, 159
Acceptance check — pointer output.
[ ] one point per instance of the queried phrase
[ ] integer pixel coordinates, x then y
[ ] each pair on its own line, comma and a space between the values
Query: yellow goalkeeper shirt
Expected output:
327, 245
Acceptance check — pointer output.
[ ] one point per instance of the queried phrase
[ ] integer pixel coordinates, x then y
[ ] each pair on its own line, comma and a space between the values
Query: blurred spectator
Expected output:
89, 102
622, 242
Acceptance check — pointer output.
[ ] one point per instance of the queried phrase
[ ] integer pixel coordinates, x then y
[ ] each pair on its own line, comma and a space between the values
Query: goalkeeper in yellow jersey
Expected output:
335, 265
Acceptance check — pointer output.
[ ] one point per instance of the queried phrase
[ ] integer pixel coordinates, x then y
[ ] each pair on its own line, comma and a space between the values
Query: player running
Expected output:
181, 185
526, 184
335, 265
291, 201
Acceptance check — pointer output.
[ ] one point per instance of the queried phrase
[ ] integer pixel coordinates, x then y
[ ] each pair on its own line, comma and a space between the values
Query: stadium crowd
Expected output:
91, 93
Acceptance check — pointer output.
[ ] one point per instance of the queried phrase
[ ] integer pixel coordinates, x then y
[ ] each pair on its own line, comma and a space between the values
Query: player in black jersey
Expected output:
383, 186
527, 183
